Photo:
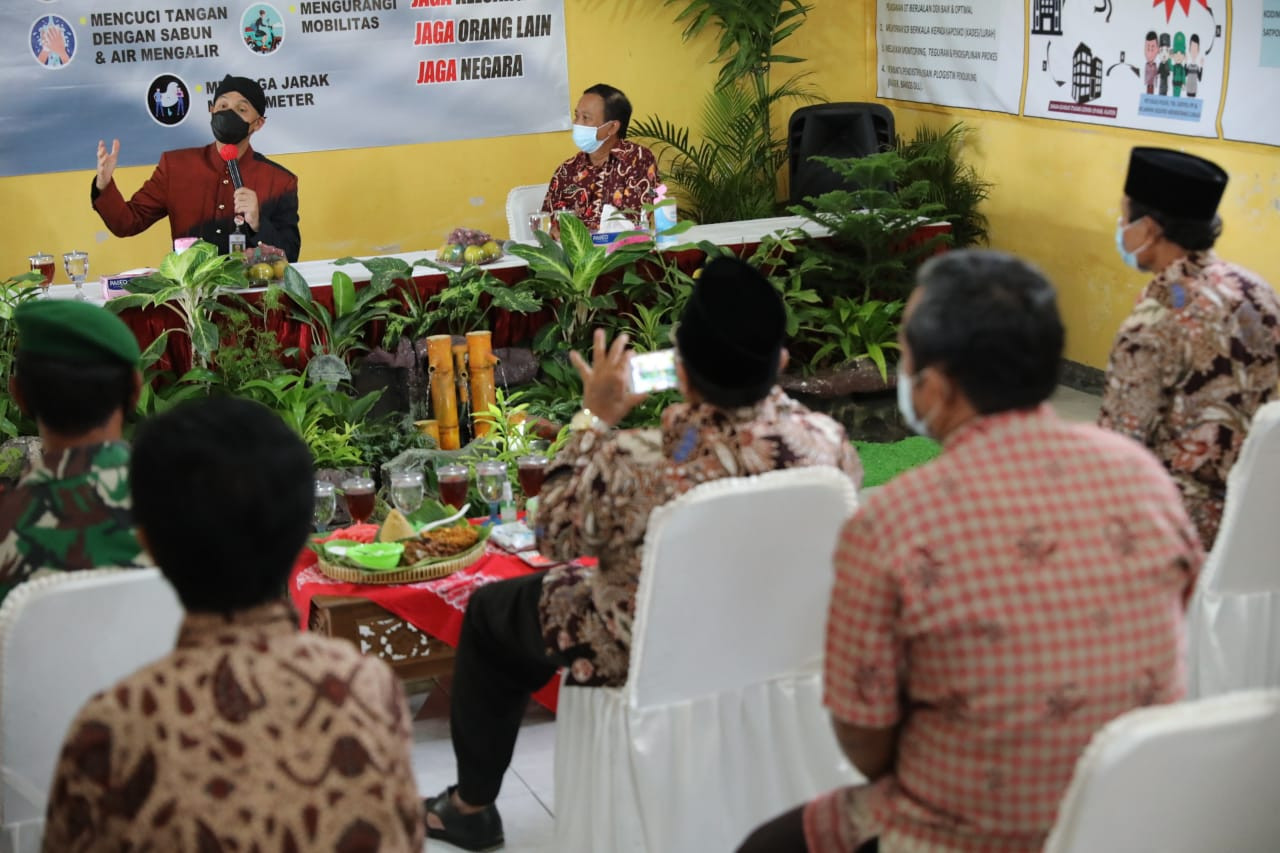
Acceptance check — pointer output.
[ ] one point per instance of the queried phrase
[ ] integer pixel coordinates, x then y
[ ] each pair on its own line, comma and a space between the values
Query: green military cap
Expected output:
74, 331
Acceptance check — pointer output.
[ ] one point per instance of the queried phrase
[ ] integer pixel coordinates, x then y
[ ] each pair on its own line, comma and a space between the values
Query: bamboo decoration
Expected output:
481, 360
444, 399
464, 395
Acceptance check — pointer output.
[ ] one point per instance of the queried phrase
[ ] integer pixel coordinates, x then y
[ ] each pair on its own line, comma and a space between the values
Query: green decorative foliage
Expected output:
732, 172
328, 421
193, 284
565, 274
342, 331
462, 306
934, 157
851, 329
873, 250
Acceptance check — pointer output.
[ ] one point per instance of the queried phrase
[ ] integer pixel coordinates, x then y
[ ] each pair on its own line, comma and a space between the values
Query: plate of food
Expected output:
425, 551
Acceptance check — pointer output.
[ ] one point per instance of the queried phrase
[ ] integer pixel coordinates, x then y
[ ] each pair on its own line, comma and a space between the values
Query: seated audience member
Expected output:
76, 373
993, 608
608, 168
249, 735
1200, 354
596, 501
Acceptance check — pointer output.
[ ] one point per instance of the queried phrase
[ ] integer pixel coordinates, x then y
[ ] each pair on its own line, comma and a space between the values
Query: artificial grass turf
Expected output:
882, 461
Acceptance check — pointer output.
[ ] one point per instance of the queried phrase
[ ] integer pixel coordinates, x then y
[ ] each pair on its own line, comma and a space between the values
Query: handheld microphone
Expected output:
231, 155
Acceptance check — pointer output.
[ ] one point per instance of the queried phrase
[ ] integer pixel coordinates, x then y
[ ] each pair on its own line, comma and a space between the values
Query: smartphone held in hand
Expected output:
653, 371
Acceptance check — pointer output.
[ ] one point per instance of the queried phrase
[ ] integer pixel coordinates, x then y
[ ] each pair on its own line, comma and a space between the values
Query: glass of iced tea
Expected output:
453, 481
43, 263
360, 497
531, 470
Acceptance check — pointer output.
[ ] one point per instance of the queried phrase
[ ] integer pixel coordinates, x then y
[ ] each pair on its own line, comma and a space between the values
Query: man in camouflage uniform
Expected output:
76, 373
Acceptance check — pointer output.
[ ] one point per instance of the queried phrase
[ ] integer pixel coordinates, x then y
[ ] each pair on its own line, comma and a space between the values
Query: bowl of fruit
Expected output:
264, 264
469, 247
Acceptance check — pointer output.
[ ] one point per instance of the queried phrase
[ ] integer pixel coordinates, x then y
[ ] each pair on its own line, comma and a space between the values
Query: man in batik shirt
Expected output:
609, 169
248, 735
596, 501
76, 373
996, 607
1201, 351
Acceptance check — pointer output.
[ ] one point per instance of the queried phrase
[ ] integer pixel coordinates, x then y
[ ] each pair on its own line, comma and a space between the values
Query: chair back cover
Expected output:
735, 583
1181, 778
63, 638
522, 201
1234, 617
721, 723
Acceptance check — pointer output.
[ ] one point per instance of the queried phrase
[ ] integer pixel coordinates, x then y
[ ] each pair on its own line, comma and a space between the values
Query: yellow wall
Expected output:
397, 199
1058, 186
406, 198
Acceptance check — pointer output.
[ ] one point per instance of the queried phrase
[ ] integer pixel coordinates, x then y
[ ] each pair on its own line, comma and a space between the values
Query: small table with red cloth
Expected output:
432, 609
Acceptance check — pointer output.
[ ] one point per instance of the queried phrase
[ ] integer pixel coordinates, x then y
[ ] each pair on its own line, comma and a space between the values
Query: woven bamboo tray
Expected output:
427, 570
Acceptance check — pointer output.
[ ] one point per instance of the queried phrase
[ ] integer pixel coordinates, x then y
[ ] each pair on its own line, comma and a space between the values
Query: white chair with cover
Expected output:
63, 638
522, 201
1181, 778
1234, 617
720, 724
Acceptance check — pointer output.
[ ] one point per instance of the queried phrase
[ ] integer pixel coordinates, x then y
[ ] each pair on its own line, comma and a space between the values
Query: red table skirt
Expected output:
435, 607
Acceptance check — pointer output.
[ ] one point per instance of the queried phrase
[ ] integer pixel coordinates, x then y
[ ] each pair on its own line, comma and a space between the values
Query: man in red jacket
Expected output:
193, 186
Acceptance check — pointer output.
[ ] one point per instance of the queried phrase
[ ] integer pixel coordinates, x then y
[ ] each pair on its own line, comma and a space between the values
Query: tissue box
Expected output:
113, 285
604, 238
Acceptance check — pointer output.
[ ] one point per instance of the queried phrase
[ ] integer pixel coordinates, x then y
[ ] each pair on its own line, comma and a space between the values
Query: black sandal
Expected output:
478, 832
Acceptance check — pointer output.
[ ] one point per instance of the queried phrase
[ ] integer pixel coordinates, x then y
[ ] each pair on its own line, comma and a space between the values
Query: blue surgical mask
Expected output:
584, 137
908, 407
1130, 258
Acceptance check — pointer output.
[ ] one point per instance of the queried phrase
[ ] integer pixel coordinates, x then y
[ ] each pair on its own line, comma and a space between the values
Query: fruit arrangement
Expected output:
467, 246
264, 264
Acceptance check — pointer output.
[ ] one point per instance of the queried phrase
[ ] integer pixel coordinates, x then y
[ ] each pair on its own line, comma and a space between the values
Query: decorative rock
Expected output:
516, 366
17, 455
859, 377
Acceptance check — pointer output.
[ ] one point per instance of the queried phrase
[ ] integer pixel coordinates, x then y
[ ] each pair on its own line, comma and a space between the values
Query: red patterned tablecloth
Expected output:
434, 606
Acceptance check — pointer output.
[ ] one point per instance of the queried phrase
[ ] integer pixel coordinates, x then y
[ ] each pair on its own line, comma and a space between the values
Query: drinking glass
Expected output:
326, 504
531, 469
43, 263
360, 498
490, 476
406, 490
77, 267
453, 484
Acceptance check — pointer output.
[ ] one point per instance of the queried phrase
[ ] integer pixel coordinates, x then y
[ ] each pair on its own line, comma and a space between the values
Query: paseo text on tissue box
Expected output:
113, 285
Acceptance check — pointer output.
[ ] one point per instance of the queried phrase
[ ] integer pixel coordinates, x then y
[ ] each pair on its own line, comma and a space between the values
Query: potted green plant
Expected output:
731, 172
565, 275
935, 157
193, 284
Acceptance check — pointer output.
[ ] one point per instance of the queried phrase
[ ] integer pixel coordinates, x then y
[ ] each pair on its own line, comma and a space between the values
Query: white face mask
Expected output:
907, 406
584, 136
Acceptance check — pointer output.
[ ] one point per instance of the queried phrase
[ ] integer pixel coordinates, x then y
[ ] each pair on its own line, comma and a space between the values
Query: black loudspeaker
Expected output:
833, 130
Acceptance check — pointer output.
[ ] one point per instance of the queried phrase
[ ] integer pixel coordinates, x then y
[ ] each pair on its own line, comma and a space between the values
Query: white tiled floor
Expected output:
526, 800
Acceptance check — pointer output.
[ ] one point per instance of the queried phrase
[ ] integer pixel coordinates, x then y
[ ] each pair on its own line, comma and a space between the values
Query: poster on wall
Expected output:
952, 54
1250, 113
1153, 66
337, 74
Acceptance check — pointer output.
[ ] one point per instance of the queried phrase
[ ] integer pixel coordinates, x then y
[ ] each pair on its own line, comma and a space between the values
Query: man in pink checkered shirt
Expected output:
996, 607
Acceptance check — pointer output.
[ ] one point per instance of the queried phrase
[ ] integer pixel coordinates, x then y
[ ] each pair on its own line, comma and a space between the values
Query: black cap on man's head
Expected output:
250, 89
1176, 184
732, 331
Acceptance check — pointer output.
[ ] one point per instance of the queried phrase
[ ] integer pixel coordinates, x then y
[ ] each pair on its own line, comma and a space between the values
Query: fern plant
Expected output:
935, 157
874, 248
